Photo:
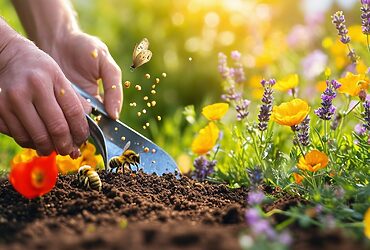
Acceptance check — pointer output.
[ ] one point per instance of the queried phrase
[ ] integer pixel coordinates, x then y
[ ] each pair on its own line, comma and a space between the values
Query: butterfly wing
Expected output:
143, 45
142, 58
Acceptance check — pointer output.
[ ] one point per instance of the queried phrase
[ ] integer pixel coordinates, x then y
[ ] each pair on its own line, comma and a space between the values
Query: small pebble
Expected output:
127, 84
146, 149
145, 98
94, 53
164, 74
138, 87
157, 80
153, 92
147, 76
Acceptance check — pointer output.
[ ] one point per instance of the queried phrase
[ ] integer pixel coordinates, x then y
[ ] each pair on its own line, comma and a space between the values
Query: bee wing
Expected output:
142, 58
126, 146
143, 45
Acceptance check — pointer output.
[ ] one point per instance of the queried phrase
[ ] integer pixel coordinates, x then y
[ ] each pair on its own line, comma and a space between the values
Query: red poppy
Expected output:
34, 177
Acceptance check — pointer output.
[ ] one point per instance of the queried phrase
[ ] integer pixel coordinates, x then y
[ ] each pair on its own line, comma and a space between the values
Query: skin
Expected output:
38, 106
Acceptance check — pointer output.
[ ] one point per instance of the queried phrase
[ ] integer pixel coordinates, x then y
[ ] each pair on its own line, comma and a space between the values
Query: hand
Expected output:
84, 59
38, 106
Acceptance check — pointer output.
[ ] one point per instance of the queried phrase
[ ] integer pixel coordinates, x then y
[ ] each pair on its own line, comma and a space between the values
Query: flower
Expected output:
287, 83
298, 178
206, 139
365, 17
304, 131
339, 20
203, 168
290, 113
242, 109
68, 165
367, 223
327, 108
255, 197
366, 114
266, 107
352, 84
215, 111
32, 175
313, 161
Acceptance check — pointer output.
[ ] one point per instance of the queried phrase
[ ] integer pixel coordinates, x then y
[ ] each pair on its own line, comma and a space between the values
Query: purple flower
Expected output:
255, 176
266, 107
360, 129
339, 21
252, 216
231, 94
203, 168
236, 55
242, 109
255, 197
223, 69
365, 17
304, 131
366, 115
335, 123
314, 64
327, 109
237, 72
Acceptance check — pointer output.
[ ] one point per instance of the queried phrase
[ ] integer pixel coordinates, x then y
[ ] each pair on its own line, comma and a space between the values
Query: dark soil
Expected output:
139, 211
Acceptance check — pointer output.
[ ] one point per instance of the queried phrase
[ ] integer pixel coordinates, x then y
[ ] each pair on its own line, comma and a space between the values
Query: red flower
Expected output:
34, 177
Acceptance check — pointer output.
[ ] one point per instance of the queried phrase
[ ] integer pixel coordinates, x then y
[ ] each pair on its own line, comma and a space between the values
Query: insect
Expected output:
125, 160
141, 54
89, 178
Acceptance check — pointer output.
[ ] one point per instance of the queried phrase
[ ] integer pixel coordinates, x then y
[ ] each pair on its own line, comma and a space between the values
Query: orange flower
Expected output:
298, 178
367, 223
215, 111
206, 139
353, 84
290, 113
287, 83
35, 176
313, 161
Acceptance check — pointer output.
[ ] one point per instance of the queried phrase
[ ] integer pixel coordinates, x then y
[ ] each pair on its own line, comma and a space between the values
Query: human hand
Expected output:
38, 106
84, 59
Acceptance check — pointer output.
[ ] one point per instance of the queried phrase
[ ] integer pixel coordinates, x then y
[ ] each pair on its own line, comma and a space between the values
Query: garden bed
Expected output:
139, 211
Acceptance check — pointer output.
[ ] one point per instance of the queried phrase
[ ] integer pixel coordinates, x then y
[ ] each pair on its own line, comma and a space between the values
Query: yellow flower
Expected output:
367, 223
215, 111
290, 113
287, 83
256, 87
25, 155
67, 165
320, 86
355, 32
206, 139
361, 67
184, 162
313, 161
352, 84
298, 178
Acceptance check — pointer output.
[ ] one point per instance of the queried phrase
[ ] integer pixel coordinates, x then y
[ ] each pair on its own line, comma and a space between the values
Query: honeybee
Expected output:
89, 178
141, 54
125, 160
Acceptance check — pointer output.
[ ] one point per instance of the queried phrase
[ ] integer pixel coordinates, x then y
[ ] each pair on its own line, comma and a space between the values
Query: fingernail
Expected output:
75, 153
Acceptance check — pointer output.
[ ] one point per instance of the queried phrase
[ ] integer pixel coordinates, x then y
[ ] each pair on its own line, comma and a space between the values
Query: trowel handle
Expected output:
97, 106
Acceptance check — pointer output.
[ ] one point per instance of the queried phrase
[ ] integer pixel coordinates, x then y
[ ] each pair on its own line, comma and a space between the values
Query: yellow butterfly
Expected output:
141, 54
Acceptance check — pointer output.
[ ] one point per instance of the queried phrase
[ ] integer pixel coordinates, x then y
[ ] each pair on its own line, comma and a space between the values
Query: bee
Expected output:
141, 54
89, 178
125, 160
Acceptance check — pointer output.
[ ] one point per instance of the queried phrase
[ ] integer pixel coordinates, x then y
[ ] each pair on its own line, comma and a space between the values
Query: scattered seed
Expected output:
146, 98
148, 104
153, 86
88, 100
144, 127
147, 124
127, 84
153, 92
138, 87
190, 59
159, 118
114, 86
98, 118
164, 74
139, 113
157, 80
146, 149
62, 92
123, 138
115, 129
144, 111
147, 76
154, 151
153, 162
154, 103
94, 53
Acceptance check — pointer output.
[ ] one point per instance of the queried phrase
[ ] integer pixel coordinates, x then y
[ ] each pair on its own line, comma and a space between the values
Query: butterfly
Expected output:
141, 54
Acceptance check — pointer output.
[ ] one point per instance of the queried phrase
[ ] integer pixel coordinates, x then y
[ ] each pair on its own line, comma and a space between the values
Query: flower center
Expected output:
37, 178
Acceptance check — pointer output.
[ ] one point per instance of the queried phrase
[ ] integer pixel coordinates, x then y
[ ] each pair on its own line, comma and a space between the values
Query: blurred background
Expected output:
275, 38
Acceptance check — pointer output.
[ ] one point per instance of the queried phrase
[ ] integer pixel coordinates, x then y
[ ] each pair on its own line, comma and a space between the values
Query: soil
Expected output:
140, 211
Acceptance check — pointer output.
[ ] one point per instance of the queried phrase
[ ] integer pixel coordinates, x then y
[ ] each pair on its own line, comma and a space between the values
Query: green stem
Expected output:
368, 44
299, 144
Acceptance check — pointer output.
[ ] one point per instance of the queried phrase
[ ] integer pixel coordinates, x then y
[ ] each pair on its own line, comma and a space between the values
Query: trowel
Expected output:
110, 137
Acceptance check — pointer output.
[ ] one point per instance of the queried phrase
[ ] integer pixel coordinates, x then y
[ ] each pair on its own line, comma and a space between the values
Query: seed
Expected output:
127, 84
94, 53
98, 118
138, 87
114, 86
190, 59
134, 104
154, 103
153, 162
159, 118
146, 149
153, 150
144, 127
123, 138
153, 92
144, 111
157, 80
147, 124
62, 92
153, 86
148, 104
115, 129
139, 113
147, 76
88, 100
146, 98
164, 74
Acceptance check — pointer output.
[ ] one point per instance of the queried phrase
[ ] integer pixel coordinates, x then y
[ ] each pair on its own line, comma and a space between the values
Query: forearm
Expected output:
46, 21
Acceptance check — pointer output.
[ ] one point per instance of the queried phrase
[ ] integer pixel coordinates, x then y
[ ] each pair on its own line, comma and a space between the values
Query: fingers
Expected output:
3, 128
112, 78
73, 110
